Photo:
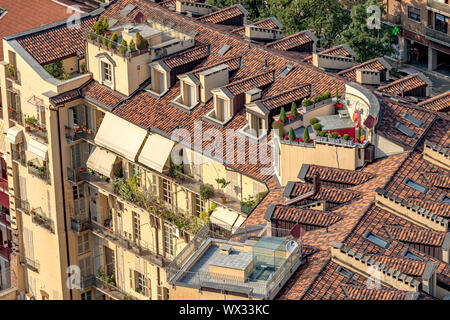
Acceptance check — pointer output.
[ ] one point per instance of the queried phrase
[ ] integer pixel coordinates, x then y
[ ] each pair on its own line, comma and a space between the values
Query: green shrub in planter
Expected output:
113, 41
317, 126
283, 115
99, 39
326, 95
206, 191
334, 135
317, 99
123, 47
132, 46
105, 24
313, 121
105, 41
322, 133
291, 134
346, 136
307, 103
294, 111
306, 137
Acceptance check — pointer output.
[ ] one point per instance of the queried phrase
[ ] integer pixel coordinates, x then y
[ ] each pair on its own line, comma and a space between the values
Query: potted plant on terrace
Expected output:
11, 70
338, 103
222, 185
206, 191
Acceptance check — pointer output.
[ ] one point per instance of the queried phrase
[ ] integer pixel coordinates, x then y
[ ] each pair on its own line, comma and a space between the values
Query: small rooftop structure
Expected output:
335, 122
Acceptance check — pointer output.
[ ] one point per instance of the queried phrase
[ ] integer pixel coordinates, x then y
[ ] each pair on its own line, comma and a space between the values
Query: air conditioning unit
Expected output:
343, 114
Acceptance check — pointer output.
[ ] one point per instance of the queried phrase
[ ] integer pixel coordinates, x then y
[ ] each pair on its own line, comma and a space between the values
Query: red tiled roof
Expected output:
437, 103
265, 23
439, 180
187, 56
232, 63
287, 97
373, 64
256, 81
305, 216
365, 293
65, 97
416, 235
406, 84
339, 175
334, 51
291, 42
58, 42
329, 194
407, 266
223, 15
26, 15
393, 113
101, 94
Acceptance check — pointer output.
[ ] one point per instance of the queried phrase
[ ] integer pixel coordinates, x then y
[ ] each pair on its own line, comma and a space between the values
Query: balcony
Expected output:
15, 114
437, 36
38, 171
4, 184
39, 219
74, 135
36, 129
4, 219
439, 5
80, 225
88, 281
141, 248
29, 263
22, 205
110, 290
18, 156
79, 175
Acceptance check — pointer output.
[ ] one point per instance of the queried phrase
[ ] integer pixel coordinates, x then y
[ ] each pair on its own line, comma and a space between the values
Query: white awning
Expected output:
101, 161
14, 135
224, 217
120, 136
155, 152
240, 220
37, 148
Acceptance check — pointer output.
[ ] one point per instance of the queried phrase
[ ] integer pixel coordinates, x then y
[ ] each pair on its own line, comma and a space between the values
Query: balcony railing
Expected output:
39, 219
73, 135
15, 115
110, 290
87, 282
439, 5
80, 225
29, 263
37, 130
18, 156
438, 35
40, 172
22, 205
141, 248
4, 184
78, 175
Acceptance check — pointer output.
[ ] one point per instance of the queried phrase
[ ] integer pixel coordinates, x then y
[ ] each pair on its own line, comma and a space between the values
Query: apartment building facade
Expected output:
424, 36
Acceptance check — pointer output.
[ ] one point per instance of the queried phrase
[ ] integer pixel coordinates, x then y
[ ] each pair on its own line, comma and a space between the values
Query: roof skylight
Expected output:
404, 130
377, 240
413, 184
413, 120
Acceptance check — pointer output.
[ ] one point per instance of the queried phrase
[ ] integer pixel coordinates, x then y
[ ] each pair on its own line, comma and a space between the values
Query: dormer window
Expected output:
106, 72
221, 106
158, 83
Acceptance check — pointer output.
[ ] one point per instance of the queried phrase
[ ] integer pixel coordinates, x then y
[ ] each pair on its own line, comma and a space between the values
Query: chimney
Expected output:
364, 76
316, 182
262, 34
211, 79
252, 95
402, 92
446, 248
326, 61
429, 278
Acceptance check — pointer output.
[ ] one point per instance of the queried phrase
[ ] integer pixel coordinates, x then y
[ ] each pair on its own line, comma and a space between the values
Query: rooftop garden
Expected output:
56, 70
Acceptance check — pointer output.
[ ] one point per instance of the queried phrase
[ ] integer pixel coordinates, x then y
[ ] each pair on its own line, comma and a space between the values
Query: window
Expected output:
441, 23
445, 198
199, 204
78, 192
167, 191
107, 72
344, 272
137, 172
414, 14
140, 284
83, 243
408, 254
85, 267
136, 227
110, 262
411, 183
158, 82
188, 95
376, 239
86, 295
168, 240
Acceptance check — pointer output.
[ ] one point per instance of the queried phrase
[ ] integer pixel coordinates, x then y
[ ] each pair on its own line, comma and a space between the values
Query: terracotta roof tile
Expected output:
334, 51
365, 293
437, 103
416, 235
287, 97
439, 180
256, 81
338, 175
334, 195
291, 42
65, 97
437, 207
187, 56
100, 94
223, 15
232, 63
305, 216
405, 84
407, 266
265, 23
57, 42
373, 64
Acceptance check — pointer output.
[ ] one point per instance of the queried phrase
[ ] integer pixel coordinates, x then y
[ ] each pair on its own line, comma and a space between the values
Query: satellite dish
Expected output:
291, 246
